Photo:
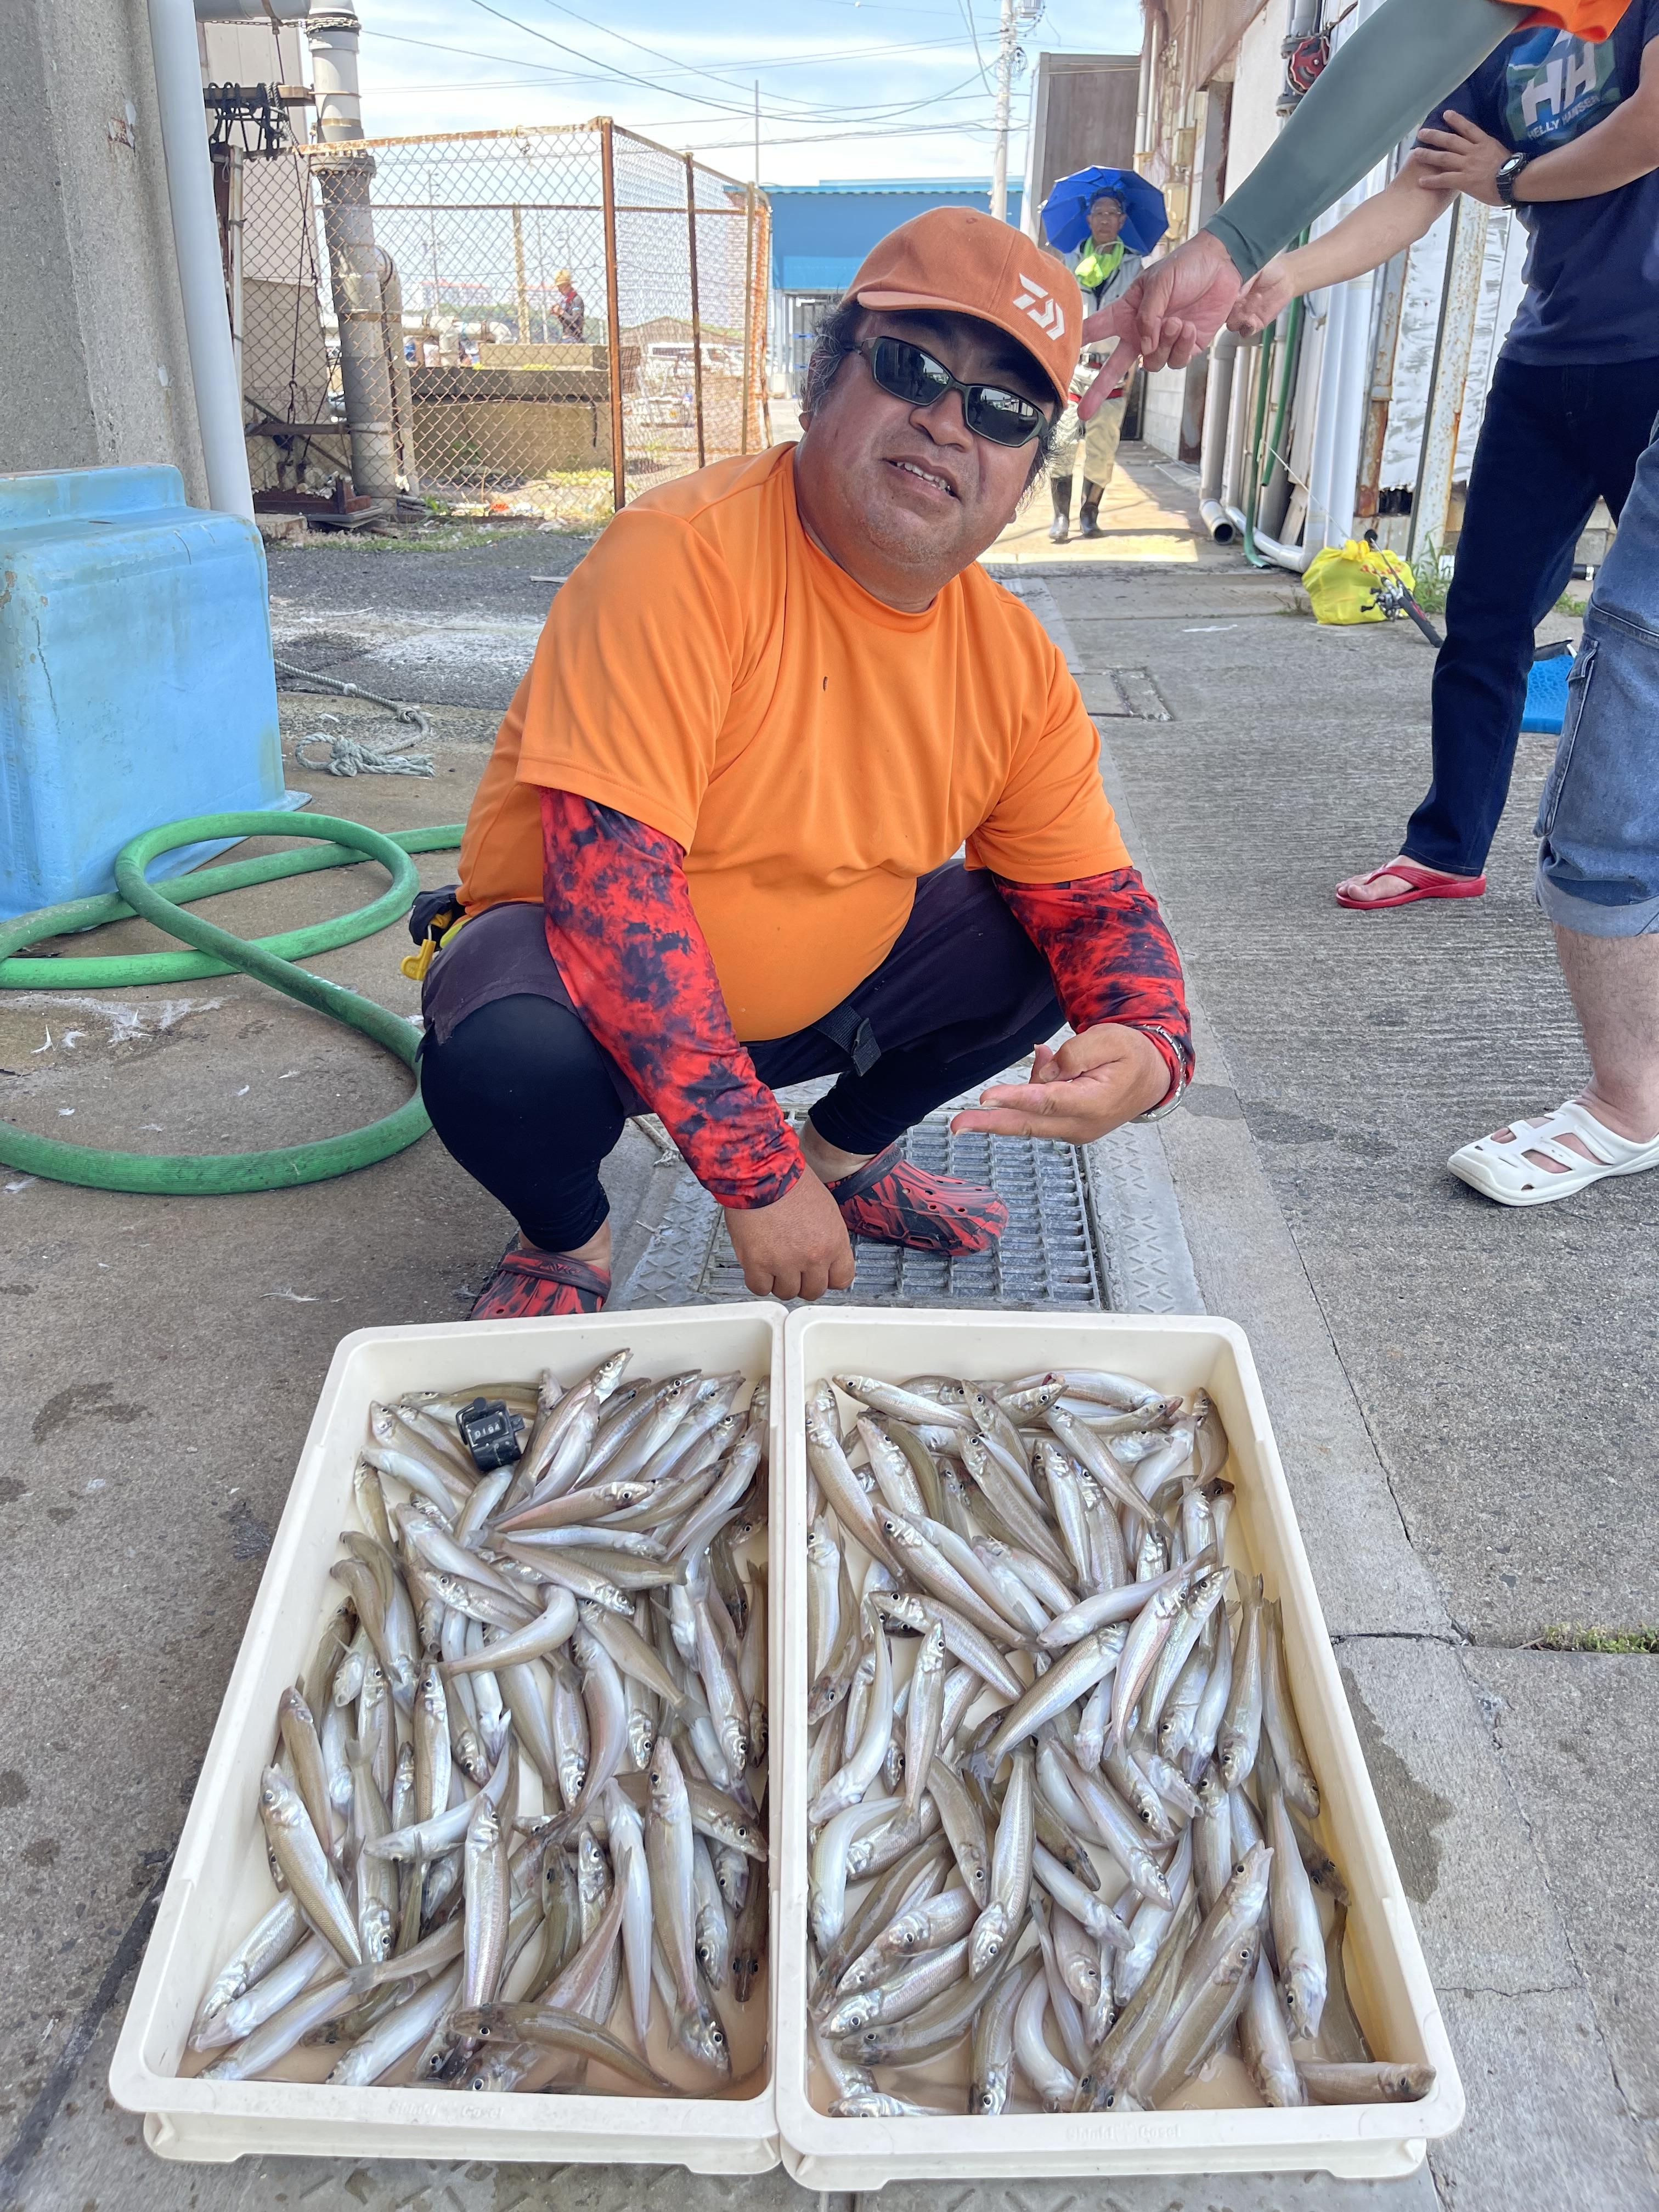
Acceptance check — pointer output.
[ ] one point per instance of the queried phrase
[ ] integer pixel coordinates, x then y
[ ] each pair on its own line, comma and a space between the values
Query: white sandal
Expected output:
1500, 1169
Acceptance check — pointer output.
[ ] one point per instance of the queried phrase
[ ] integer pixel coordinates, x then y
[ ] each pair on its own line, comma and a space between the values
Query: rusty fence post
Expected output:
764, 321
521, 279
697, 307
612, 310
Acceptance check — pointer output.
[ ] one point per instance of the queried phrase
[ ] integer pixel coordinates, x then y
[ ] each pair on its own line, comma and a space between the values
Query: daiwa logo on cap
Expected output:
1050, 317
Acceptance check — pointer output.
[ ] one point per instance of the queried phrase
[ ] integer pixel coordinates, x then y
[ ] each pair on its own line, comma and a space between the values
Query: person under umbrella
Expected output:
1108, 262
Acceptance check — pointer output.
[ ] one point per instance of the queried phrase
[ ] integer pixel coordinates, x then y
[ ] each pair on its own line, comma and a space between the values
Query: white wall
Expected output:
1258, 78
1501, 288
1252, 126
93, 364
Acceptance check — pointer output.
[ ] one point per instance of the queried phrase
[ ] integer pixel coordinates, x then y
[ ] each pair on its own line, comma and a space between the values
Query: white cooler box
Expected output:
219, 1885
1388, 1980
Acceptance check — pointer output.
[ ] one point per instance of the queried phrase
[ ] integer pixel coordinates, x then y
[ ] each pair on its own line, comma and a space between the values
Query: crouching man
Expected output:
712, 852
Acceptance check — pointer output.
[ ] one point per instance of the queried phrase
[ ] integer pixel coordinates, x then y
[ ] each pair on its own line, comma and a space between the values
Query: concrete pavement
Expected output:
1459, 1392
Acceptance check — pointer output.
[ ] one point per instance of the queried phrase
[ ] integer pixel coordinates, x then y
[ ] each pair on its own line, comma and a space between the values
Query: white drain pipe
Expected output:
1212, 445
196, 247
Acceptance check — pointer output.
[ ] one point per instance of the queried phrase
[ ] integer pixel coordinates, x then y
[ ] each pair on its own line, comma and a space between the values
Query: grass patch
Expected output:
1566, 605
1432, 571
1625, 1642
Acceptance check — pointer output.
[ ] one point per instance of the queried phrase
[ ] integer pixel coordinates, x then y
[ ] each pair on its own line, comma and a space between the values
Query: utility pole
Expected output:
1005, 89
1009, 62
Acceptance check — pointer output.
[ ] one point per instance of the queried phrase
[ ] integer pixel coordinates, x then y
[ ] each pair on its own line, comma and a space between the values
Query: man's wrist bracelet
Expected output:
1173, 1096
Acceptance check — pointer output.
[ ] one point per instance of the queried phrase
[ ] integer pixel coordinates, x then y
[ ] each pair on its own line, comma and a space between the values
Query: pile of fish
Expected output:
1059, 1802
588, 1615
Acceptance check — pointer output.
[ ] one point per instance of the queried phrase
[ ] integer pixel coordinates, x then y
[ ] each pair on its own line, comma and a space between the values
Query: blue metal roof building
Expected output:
820, 232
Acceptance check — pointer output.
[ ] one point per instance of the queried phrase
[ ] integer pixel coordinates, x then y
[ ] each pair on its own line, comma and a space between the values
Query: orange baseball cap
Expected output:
969, 263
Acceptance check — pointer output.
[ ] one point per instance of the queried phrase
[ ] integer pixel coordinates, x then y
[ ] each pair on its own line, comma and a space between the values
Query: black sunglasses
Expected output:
908, 374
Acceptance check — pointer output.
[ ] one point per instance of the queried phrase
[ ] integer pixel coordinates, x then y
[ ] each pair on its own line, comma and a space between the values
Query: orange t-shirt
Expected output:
709, 670
1591, 20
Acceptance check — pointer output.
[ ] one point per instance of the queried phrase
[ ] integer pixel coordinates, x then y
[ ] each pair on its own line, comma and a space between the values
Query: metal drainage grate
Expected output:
1045, 1257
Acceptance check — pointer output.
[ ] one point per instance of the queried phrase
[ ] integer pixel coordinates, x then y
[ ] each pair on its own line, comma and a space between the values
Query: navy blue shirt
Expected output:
1593, 265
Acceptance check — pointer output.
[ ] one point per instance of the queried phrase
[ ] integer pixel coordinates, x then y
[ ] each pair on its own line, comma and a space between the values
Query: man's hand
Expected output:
1092, 1083
1264, 299
797, 1248
1170, 313
1119, 324
1462, 158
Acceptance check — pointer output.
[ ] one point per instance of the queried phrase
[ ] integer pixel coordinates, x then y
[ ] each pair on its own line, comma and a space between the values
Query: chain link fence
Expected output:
538, 321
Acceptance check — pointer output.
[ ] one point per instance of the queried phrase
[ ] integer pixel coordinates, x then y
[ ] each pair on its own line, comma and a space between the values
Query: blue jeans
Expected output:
1598, 862
1552, 441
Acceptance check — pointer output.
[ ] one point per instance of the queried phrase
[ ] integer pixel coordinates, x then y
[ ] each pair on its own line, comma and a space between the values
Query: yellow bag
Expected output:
1342, 583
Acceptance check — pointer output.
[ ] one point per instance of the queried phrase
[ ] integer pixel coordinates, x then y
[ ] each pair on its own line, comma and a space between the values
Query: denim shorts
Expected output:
1598, 824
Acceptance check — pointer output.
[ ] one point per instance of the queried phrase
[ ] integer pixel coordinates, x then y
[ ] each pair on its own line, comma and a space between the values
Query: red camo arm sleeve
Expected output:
621, 928
1111, 956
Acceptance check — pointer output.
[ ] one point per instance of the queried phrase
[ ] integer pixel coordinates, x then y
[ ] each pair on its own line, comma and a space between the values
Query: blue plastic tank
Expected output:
135, 676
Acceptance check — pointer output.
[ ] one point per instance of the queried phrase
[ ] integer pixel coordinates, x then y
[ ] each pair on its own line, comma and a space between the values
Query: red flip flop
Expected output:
890, 1201
1425, 883
533, 1286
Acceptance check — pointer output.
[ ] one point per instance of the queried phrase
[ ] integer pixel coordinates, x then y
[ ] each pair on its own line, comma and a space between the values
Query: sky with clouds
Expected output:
848, 88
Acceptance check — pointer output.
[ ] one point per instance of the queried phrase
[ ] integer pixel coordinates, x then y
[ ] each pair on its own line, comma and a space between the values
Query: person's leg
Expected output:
1598, 867
1531, 490
962, 995
1062, 461
1614, 983
523, 1098
1100, 446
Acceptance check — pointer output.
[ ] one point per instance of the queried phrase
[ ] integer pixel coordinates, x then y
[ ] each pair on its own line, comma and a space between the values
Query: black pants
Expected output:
1552, 441
529, 1103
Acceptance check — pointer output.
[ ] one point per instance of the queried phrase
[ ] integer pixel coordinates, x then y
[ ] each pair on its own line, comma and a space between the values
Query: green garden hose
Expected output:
218, 952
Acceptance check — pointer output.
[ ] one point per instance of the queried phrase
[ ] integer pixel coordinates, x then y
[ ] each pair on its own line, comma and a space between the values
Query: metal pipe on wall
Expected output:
229, 200
1218, 404
1334, 312
1238, 415
333, 39
1353, 385
196, 245
1385, 346
402, 398
343, 179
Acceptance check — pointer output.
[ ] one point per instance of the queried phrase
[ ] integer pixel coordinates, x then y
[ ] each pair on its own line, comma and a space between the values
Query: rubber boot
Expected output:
1060, 528
1089, 513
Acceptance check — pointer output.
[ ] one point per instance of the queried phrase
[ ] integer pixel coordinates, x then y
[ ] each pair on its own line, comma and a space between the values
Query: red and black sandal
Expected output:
889, 1200
534, 1286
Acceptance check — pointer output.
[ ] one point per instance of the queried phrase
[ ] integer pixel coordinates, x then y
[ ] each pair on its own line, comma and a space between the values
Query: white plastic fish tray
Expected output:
219, 1884
1387, 1979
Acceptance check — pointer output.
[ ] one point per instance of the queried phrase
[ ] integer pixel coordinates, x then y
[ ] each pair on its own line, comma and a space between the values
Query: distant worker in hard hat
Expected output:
569, 308
1112, 219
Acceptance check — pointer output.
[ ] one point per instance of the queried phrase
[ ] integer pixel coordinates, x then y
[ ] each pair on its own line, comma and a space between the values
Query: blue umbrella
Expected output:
1065, 210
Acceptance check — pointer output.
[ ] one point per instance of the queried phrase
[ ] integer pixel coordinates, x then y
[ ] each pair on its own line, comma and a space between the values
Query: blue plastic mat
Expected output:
1546, 694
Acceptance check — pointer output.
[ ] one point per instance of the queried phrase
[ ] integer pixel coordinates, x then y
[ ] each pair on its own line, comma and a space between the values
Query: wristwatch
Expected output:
1171, 1099
1507, 173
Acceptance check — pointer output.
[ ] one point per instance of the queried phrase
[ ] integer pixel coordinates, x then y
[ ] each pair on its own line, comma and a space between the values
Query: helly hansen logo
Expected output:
1049, 317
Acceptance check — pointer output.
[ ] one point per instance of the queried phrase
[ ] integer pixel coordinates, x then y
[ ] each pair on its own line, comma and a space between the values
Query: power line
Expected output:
602, 73
966, 9
872, 115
